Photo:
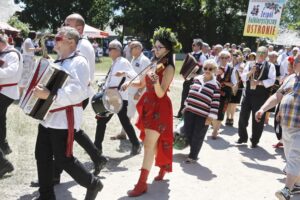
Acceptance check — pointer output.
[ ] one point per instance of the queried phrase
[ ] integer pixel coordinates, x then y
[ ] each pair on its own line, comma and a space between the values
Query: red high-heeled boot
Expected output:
141, 187
161, 175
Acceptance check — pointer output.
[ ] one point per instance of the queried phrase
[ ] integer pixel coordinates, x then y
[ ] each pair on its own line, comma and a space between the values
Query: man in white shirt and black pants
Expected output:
120, 65
66, 114
259, 77
86, 49
11, 64
139, 62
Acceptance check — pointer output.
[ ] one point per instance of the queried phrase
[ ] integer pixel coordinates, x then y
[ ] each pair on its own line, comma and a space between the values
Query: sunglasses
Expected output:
158, 48
235, 55
224, 58
208, 69
58, 38
260, 52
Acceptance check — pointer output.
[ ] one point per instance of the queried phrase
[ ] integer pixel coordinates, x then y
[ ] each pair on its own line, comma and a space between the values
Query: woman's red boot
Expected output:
161, 175
141, 187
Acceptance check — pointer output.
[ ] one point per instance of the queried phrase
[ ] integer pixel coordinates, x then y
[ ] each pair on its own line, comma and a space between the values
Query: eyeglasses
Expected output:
260, 53
158, 48
224, 58
111, 48
207, 69
235, 55
58, 38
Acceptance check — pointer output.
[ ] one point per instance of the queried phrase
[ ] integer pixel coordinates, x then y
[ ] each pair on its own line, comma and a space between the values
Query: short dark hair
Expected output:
32, 35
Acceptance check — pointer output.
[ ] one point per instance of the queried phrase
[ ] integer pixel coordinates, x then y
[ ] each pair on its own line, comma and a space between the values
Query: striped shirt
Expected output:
290, 103
203, 98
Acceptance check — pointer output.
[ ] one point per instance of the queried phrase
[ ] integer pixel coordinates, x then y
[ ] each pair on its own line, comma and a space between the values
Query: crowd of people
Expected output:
227, 76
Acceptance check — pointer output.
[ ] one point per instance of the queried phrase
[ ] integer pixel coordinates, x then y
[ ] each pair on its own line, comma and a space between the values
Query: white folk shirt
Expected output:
86, 49
138, 64
28, 43
10, 73
74, 92
120, 65
267, 82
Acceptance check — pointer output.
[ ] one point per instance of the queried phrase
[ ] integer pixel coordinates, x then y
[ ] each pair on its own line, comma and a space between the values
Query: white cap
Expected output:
296, 49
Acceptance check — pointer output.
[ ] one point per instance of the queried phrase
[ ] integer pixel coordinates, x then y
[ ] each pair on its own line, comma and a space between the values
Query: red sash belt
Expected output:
7, 85
70, 119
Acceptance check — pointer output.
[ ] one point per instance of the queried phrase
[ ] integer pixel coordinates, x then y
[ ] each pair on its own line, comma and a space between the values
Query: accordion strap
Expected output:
70, 118
7, 85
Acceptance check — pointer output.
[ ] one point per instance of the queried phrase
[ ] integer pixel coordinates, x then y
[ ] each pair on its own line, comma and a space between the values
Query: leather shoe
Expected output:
240, 141
6, 167
136, 149
56, 181
99, 165
253, 145
6, 150
91, 193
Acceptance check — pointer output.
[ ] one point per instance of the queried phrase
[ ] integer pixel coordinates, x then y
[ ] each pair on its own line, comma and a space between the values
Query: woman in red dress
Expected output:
155, 110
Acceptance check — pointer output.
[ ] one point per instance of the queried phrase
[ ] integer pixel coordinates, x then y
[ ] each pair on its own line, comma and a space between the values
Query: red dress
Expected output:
157, 114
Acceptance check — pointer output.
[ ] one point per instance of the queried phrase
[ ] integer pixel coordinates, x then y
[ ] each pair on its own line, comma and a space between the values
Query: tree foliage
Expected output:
15, 22
291, 15
42, 14
213, 21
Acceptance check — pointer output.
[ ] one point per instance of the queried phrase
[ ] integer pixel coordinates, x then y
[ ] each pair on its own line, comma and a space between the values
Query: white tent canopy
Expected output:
94, 32
287, 37
6, 26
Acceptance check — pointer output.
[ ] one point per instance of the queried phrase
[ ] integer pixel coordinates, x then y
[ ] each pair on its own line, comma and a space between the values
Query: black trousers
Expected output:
126, 124
184, 94
5, 102
195, 131
85, 142
251, 103
51, 143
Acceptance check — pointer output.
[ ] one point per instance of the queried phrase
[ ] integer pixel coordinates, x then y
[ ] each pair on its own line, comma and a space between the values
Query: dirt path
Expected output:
224, 171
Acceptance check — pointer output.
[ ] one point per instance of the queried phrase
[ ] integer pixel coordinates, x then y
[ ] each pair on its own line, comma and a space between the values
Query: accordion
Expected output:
189, 67
50, 75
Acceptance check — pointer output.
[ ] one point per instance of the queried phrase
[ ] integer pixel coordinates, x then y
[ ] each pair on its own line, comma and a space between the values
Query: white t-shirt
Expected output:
28, 43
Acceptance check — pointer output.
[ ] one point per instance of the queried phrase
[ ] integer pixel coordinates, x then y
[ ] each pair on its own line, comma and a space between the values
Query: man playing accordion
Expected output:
56, 132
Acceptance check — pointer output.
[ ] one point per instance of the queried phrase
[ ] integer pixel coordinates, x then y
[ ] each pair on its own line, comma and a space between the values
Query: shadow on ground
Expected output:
156, 190
257, 153
61, 192
201, 172
219, 143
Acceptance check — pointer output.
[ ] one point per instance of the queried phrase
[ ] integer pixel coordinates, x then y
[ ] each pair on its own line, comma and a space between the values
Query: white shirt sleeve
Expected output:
12, 63
76, 86
233, 77
271, 77
245, 72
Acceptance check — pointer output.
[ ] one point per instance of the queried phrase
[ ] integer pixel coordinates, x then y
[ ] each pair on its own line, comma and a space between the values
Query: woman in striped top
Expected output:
201, 107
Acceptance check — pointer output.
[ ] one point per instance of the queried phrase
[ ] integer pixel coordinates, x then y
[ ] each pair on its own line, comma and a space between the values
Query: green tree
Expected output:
15, 22
214, 21
291, 15
41, 14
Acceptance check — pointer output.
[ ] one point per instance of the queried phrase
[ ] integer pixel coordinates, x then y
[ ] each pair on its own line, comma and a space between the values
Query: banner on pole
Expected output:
263, 18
